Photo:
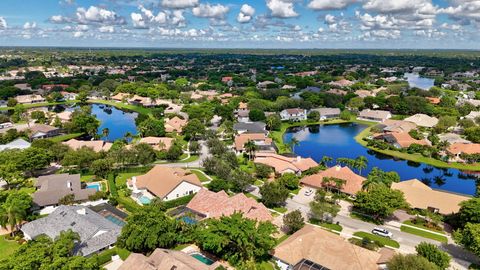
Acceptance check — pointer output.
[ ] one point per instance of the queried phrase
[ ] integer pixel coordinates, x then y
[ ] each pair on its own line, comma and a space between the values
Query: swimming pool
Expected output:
188, 220
144, 200
115, 220
94, 185
202, 258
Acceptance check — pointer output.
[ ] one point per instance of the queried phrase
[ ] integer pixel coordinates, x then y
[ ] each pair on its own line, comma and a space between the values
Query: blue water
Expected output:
188, 220
144, 200
202, 258
95, 186
414, 80
117, 121
115, 220
338, 141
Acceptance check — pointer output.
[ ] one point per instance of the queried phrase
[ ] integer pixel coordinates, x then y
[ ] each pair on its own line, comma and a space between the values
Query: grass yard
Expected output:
87, 178
409, 222
119, 105
179, 247
265, 265
258, 183
65, 137
383, 240
282, 238
282, 210
433, 236
330, 226
7, 247
201, 176
249, 195
365, 218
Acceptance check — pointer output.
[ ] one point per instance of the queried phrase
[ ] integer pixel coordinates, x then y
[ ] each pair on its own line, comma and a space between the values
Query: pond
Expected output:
117, 121
415, 80
338, 141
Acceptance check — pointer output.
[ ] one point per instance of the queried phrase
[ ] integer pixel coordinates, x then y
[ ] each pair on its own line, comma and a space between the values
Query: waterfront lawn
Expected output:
66, 137
382, 240
7, 247
421, 233
120, 105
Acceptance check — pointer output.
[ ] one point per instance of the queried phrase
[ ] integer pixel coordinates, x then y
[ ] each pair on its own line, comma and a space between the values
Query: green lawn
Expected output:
330, 226
409, 222
87, 178
265, 265
139, 109
65, 137
180, 246
7, 247
282, 238
201, 176
433, 236
258, 183
282, 210
249, 195
385, 241
365, 218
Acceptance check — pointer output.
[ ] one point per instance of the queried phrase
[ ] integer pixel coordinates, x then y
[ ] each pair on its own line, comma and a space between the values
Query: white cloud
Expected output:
282, 8
451, 26
78, 34
217, 11
29, 25
245, 14
180, 4
98, 15
329, 19
3, 23
106, 29
416, 7
465, 11
146, 18
329, 4
137, 20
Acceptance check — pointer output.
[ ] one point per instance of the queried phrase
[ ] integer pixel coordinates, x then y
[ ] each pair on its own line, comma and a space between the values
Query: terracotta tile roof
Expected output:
175, 124
42, 128
97, 146
156, 141
352, 185
342, 83
29, 98
466, 148
398, 125
241, 139
403, 139
282, 163
326, 249
120, 96
242, 106
419, 195
214, 205
433, 100
161, 180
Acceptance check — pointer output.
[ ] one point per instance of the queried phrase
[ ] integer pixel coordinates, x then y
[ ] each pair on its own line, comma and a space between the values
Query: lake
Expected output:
338, 141
415, 80
117, 121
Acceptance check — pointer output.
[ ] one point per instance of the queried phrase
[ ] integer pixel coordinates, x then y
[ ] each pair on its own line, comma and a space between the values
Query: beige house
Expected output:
353, 182
175, 124
29, 99
422, 120
158, 143
315, 248
282, 164
421, 196
96, 146
374, 115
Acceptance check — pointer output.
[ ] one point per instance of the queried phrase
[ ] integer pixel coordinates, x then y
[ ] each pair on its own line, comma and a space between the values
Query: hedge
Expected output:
178, 202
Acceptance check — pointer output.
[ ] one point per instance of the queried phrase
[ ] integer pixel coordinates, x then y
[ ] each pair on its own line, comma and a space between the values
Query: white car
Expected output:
308, 192
382, 232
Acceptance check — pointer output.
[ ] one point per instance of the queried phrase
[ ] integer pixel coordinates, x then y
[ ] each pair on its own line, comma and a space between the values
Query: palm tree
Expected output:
105, 133
12, 216
327, 181
294, 142
361, 163
162, 145
128, 135
250, 147
325, 160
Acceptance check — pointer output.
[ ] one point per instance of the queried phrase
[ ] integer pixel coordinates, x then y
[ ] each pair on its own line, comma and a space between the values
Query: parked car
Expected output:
382, 232
308, 192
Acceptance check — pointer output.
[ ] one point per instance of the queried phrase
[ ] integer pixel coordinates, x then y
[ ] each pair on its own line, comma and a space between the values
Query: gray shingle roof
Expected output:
95, 231
250, 127
52, 188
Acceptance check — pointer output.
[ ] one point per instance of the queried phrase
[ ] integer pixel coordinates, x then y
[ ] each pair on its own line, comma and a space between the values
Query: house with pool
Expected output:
165, 183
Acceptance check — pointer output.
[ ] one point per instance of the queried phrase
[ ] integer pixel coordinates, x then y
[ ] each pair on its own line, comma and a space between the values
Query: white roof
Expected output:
16, 144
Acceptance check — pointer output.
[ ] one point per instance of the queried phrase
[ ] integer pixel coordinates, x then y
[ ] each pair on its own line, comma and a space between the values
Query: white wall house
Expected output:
293, 114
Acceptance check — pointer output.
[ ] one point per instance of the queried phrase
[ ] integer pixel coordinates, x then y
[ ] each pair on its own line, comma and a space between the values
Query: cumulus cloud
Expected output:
147, 18
180, 4
98, 15
29, 25
3, 23
415, 7
281, 8
246, 13
217, 11
106, 29
329, 4
465, 11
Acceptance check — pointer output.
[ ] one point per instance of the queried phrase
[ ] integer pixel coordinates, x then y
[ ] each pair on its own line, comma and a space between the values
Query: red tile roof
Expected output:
214, 205
353, 181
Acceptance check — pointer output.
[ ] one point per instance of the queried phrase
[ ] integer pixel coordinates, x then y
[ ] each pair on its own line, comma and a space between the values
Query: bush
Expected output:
178, 202
97, 196
433, 254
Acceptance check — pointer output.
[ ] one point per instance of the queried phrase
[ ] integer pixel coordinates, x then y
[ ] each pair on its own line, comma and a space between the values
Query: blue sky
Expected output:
395, 24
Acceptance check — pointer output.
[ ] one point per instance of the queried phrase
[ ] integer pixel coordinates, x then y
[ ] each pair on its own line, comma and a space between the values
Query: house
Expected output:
23, 86
209, 204
282, 164
452, 138
337, 92
52, 188
15, 144
422, 120
341, 83
165, 259
262, 142
243, 116
473, 115
49, 87
158, 143
69, 95
249, 127
175, 124
390, 125
353, 182
328, 113
64, 116
227, 79
96, 146
120, 97
29, 99
40, 131
421, 196
166, 183
295, 114
433, 100
365, 93
142, 101
315, 248
374, 115
264, 84
96, 232
457, 149
402, 139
